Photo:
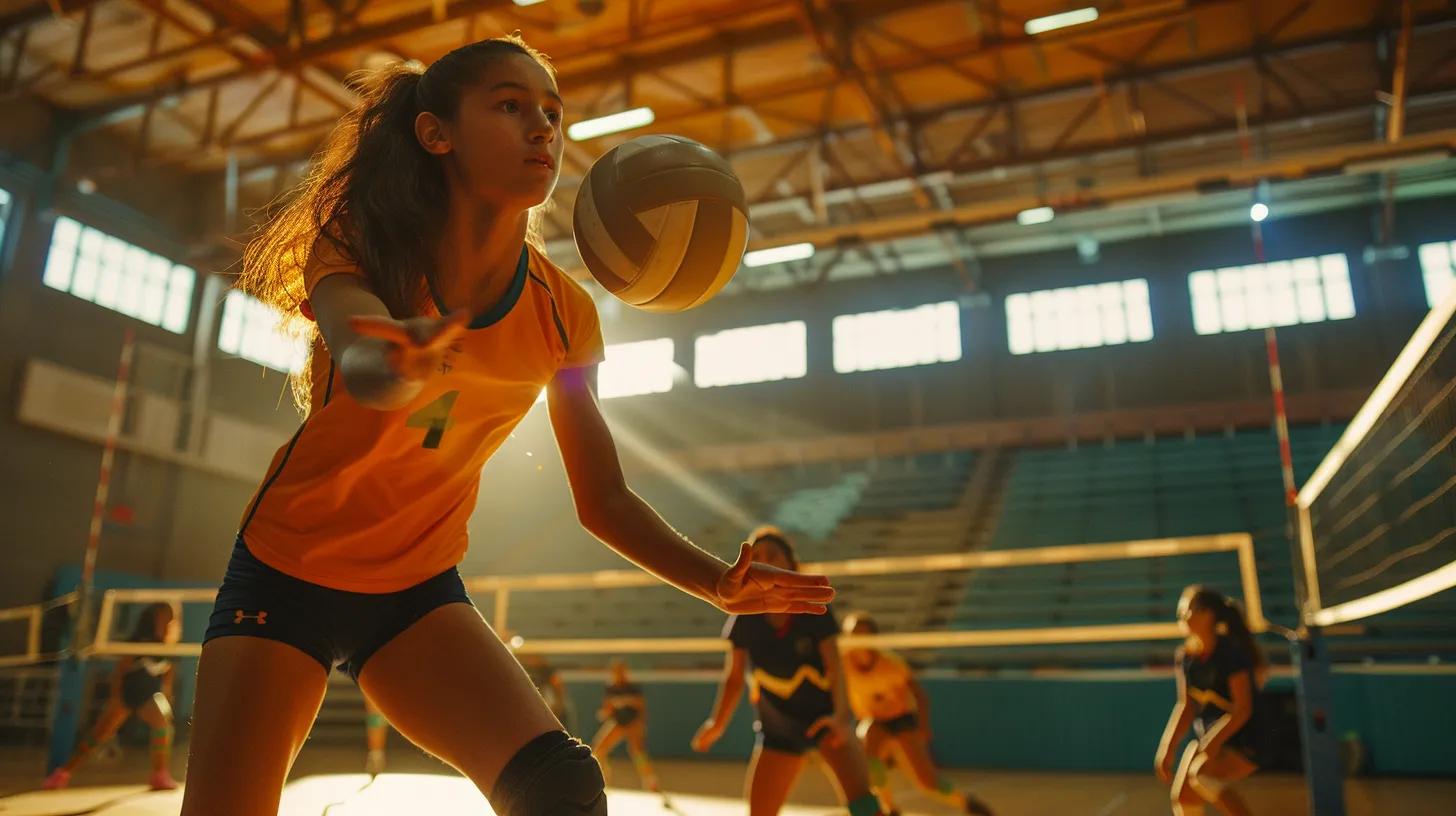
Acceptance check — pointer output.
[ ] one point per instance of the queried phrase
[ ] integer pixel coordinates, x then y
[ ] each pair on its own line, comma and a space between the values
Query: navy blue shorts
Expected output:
137, 688
334, 627
787, 732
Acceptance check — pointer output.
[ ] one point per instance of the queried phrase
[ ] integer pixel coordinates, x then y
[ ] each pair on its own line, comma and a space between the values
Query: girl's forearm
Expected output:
631, 527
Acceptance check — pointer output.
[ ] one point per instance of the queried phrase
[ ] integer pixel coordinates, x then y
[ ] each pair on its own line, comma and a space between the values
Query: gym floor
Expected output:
328, 781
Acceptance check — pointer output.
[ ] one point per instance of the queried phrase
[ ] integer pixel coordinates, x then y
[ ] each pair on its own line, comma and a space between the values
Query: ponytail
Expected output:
374, 197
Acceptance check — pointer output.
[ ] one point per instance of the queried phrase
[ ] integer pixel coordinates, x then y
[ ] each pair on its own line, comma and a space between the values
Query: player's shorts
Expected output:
787, 732
334, 627
903, 724
137, 688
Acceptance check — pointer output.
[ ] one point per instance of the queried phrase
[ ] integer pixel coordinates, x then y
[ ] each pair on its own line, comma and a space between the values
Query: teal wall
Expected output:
1407, 722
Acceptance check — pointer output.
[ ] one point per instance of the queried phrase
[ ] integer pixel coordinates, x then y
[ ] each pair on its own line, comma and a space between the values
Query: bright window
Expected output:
1438, 270
644, 367
896, 338
751, 354
112, 273
1257, 296
253, 330
1098, 314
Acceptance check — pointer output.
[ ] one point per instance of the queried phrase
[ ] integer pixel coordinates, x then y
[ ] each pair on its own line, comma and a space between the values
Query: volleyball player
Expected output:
439, 320
797, 687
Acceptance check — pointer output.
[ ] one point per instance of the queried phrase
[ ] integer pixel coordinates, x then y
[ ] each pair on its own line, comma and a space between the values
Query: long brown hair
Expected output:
1230, 622
374, 194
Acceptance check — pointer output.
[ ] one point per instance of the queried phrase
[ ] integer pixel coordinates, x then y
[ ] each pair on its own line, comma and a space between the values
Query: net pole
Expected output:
1309, 654
70, 684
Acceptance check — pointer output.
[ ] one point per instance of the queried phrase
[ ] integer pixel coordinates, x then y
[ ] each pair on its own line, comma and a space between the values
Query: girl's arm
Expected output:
609, 510
730, 688
839, 726
169, 683
1179, 721
384, 362
1242, 689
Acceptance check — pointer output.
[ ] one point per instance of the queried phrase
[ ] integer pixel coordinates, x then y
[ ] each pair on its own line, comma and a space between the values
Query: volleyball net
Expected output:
628, 612
1377, 519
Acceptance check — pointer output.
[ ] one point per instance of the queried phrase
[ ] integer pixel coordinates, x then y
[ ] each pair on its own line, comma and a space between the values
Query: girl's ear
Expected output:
430, 133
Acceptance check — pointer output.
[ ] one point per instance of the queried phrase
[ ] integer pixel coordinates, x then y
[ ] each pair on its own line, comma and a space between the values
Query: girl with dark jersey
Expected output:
1219, 671
140, 686
409, 259
894, 720
624, 718
797, 688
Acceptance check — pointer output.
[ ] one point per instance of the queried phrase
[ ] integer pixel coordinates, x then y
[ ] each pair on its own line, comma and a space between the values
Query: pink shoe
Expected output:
162, 780
59, 778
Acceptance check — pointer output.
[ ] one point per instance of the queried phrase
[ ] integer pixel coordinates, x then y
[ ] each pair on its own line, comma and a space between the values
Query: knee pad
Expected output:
553, 775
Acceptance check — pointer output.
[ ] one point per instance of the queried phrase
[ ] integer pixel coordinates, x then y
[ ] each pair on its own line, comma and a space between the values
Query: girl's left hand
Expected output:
831, 730
750, 589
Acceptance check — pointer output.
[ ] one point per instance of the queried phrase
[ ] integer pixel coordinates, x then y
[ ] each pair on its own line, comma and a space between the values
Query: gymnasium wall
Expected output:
185, 518
1403, 721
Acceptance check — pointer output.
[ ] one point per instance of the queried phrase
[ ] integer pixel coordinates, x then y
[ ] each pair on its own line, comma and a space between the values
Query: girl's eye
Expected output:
510, 106
553, 116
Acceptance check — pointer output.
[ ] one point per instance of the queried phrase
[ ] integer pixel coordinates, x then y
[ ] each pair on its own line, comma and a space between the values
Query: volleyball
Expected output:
661, 222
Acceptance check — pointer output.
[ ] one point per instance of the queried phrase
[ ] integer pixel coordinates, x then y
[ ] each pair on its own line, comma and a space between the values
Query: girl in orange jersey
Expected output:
438, 322
894, 714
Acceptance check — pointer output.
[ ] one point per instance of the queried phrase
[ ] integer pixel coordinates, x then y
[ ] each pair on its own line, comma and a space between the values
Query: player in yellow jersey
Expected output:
435, 321
894, 714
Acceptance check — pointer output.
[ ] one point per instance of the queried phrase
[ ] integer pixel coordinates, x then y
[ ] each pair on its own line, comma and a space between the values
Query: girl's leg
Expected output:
1211, 778
851, 770
111, 719
157, 714
637, 747
914, 757
450, 685
256, 701
771, 775
1186, 799
602, 744
877, 744
376, 737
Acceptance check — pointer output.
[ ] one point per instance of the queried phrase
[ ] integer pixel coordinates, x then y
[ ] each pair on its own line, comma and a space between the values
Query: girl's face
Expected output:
861, 627
768, 551
1195, 621
166, 626
619, 672
505, 142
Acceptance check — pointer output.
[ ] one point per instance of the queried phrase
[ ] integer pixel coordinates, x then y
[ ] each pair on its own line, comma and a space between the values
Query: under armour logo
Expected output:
260, 618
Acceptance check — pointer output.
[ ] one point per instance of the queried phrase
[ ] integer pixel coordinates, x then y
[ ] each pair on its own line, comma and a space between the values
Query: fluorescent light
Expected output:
527, 2
1258, 212
1035, 215
1052, 22
612, 123
789, 252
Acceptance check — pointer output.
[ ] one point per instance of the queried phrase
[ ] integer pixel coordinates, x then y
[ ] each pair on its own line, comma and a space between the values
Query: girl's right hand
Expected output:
414, 347
706, 736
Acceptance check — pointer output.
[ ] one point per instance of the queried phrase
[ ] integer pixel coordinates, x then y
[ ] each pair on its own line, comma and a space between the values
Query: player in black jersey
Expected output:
140, 686
1219, 670
797, 686
624, 717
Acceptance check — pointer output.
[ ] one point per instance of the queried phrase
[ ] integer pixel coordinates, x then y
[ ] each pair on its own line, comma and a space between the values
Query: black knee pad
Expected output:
553, 775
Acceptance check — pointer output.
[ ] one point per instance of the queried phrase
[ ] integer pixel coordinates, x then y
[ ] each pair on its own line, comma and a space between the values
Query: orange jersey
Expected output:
364, 500
881, 692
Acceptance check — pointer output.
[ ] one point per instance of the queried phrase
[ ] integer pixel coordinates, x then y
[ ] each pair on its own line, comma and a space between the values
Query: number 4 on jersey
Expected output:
434, 418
